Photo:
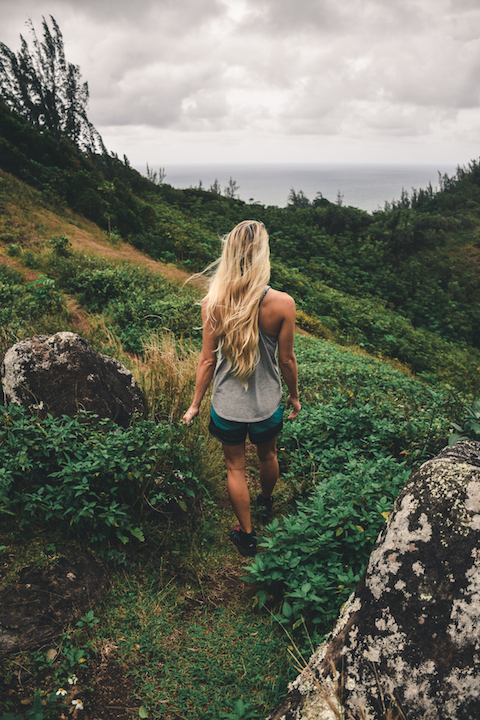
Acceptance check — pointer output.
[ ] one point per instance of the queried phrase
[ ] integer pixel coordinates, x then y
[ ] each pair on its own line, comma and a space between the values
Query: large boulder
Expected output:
408, 639
63, 373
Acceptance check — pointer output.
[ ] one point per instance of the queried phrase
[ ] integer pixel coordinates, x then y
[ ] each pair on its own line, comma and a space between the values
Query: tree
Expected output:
46, 90
298, 199
156, 178
320, 201
215, 188
231, 189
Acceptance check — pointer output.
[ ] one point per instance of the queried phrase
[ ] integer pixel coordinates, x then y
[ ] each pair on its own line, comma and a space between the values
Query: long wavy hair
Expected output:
235, 290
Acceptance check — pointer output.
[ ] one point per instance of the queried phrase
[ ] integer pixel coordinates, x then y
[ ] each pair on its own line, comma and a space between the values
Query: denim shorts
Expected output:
234, 433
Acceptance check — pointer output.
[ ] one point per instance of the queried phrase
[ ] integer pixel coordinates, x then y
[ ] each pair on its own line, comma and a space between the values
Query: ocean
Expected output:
367, 187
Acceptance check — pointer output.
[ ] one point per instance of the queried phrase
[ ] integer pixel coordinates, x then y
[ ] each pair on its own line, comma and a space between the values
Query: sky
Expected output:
273, 81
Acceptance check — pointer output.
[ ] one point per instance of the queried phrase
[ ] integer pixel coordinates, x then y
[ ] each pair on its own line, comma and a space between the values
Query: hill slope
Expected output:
403, 284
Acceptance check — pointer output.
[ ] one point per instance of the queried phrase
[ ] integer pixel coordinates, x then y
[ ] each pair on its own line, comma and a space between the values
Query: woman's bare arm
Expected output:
205, 369
286, 356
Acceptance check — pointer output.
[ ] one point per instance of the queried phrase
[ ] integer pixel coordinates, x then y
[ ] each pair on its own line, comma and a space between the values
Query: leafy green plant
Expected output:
30, 260
14, 249
470, 429
36, 712
44, 296
88, 620
96, 481
242, 711
60, 245
313, 558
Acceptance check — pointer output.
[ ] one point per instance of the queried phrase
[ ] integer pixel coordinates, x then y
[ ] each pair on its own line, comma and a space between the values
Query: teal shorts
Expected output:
234, 433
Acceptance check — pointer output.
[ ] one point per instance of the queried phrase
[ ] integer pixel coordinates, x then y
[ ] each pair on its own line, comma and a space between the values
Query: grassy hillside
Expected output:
390, 303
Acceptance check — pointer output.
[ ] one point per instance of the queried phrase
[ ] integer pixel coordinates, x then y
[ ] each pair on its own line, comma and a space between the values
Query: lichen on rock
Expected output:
409, 637
62, 374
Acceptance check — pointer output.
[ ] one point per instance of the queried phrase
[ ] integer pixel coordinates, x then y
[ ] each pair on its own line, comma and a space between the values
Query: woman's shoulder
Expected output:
276, 308
279, 298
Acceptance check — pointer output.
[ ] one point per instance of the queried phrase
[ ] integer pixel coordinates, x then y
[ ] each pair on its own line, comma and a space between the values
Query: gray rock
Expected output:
409, 637
45, 601
63, 373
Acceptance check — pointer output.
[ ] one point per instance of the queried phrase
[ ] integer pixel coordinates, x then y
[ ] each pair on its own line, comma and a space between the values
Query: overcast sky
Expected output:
172, 81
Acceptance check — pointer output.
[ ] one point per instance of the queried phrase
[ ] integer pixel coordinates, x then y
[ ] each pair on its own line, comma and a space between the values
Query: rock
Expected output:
409, 637
62, 373
43, 602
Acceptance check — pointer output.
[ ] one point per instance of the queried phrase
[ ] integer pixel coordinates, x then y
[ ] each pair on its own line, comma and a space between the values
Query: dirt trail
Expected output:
87, 238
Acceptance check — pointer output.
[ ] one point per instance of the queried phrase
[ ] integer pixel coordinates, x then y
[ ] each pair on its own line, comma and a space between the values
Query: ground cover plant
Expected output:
90, 478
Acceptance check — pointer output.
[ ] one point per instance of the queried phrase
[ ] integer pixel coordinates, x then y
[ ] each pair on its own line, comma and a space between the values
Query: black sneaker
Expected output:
246, 543
264, 506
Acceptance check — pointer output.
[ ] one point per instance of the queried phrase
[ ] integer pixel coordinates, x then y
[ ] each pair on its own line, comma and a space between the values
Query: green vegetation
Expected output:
345, 459
42, 87
392, 302
96, 482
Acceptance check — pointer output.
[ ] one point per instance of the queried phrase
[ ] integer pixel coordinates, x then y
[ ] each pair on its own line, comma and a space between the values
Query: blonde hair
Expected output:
235, 291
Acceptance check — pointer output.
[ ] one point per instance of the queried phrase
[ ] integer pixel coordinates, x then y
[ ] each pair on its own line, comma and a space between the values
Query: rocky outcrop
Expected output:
62, 374
409, 637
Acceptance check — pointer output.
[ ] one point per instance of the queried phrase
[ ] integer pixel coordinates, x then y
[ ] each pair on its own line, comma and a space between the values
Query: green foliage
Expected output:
241, 712
99, 481
40, 86
36, 712
362, 430
134, 302
30, 260
60, 670
315, 556
14, 250
44, 297
470, 428
60, 245
368, 323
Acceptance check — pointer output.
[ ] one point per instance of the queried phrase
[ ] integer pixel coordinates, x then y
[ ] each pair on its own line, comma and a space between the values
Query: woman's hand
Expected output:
294, 403
190, 414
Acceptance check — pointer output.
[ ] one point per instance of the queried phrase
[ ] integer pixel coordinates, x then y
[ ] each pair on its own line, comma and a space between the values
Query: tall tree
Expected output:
42, 87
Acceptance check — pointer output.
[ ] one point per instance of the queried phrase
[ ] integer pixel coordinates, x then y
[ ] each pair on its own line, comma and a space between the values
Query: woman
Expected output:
247, 322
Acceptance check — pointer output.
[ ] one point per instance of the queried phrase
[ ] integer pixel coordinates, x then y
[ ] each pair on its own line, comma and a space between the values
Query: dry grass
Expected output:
166, 374
331, 688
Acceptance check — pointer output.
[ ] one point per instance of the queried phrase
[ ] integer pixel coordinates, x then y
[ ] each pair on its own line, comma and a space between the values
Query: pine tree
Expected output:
46, 90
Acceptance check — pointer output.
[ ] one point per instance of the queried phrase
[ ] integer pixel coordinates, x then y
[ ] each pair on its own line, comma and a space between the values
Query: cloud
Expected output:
365, 69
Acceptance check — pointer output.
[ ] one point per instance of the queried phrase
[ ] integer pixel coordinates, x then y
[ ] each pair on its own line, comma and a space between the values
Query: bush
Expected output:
14, 250
315, 557
99, 482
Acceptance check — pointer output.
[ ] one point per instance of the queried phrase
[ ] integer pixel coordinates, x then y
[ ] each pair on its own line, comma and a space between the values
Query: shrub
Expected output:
99, 482
45, 298
60, 245
470, 428
315, 557
30, 260
14, 249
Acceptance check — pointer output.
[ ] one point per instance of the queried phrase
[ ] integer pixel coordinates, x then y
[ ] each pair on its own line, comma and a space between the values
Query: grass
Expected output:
198, 647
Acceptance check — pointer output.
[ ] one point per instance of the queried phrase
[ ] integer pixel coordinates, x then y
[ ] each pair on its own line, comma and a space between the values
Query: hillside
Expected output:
388, 357
403, 284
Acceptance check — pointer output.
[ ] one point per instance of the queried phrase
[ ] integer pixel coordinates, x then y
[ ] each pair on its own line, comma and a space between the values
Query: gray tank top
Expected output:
263, 395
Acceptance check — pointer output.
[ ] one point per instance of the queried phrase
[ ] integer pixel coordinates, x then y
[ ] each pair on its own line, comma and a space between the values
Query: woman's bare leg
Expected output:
267, 454
237, 484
